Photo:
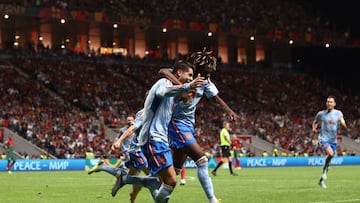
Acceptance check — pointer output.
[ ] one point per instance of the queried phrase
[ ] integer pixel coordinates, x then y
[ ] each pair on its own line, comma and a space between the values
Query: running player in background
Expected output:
327, 123
10, 155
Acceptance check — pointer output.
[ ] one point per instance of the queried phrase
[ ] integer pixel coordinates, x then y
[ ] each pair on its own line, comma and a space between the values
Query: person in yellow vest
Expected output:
89, 154
283, 153
275, 152
3, 156
241, 154
292, 153
43, 156
265, 153
208, 154
225, 145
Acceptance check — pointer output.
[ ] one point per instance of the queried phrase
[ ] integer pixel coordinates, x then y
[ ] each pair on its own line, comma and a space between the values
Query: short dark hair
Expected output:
331, 97
182, 65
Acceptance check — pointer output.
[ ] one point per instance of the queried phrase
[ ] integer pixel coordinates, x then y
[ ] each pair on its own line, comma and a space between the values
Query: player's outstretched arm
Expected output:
126, 134
232, 114
167, 73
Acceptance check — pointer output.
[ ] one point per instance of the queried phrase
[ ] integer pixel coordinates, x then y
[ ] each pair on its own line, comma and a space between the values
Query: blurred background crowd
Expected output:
68, 103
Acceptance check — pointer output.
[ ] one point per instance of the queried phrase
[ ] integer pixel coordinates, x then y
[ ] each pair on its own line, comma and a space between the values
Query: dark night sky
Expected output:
337, 64
345, 14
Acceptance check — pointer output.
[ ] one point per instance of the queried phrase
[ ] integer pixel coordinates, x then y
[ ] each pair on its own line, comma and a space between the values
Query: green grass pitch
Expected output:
278, 184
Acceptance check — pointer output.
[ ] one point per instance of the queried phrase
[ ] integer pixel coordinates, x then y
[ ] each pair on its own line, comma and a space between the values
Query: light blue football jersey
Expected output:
158, 108
330, 122
185, 113
139, 119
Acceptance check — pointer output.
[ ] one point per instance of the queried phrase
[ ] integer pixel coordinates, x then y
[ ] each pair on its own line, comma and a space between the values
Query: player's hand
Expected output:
197, 82
233, 116
116, 145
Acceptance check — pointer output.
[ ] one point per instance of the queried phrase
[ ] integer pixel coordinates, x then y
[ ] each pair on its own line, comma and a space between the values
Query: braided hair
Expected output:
204, 62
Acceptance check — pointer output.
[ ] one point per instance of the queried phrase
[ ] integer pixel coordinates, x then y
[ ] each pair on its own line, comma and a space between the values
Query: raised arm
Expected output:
167, 73
126, 134
168, 89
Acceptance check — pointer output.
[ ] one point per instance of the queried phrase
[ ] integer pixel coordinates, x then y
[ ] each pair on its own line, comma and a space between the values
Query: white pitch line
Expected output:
336, 201
190, 178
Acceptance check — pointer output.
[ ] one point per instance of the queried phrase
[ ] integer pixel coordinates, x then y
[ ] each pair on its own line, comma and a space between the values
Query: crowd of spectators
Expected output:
258, 16
64, 104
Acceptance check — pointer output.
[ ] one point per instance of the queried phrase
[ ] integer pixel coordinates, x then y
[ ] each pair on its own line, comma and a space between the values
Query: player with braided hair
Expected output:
204, 62
181, 130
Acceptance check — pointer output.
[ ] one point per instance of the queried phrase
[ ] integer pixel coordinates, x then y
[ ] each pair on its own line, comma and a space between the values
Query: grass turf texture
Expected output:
287, 184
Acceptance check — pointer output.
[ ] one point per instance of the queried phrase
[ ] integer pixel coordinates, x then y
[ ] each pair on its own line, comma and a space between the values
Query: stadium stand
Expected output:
68, 103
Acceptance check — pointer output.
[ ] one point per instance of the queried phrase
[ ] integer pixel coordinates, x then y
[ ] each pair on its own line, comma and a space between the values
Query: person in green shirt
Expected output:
10, 155
225, 145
